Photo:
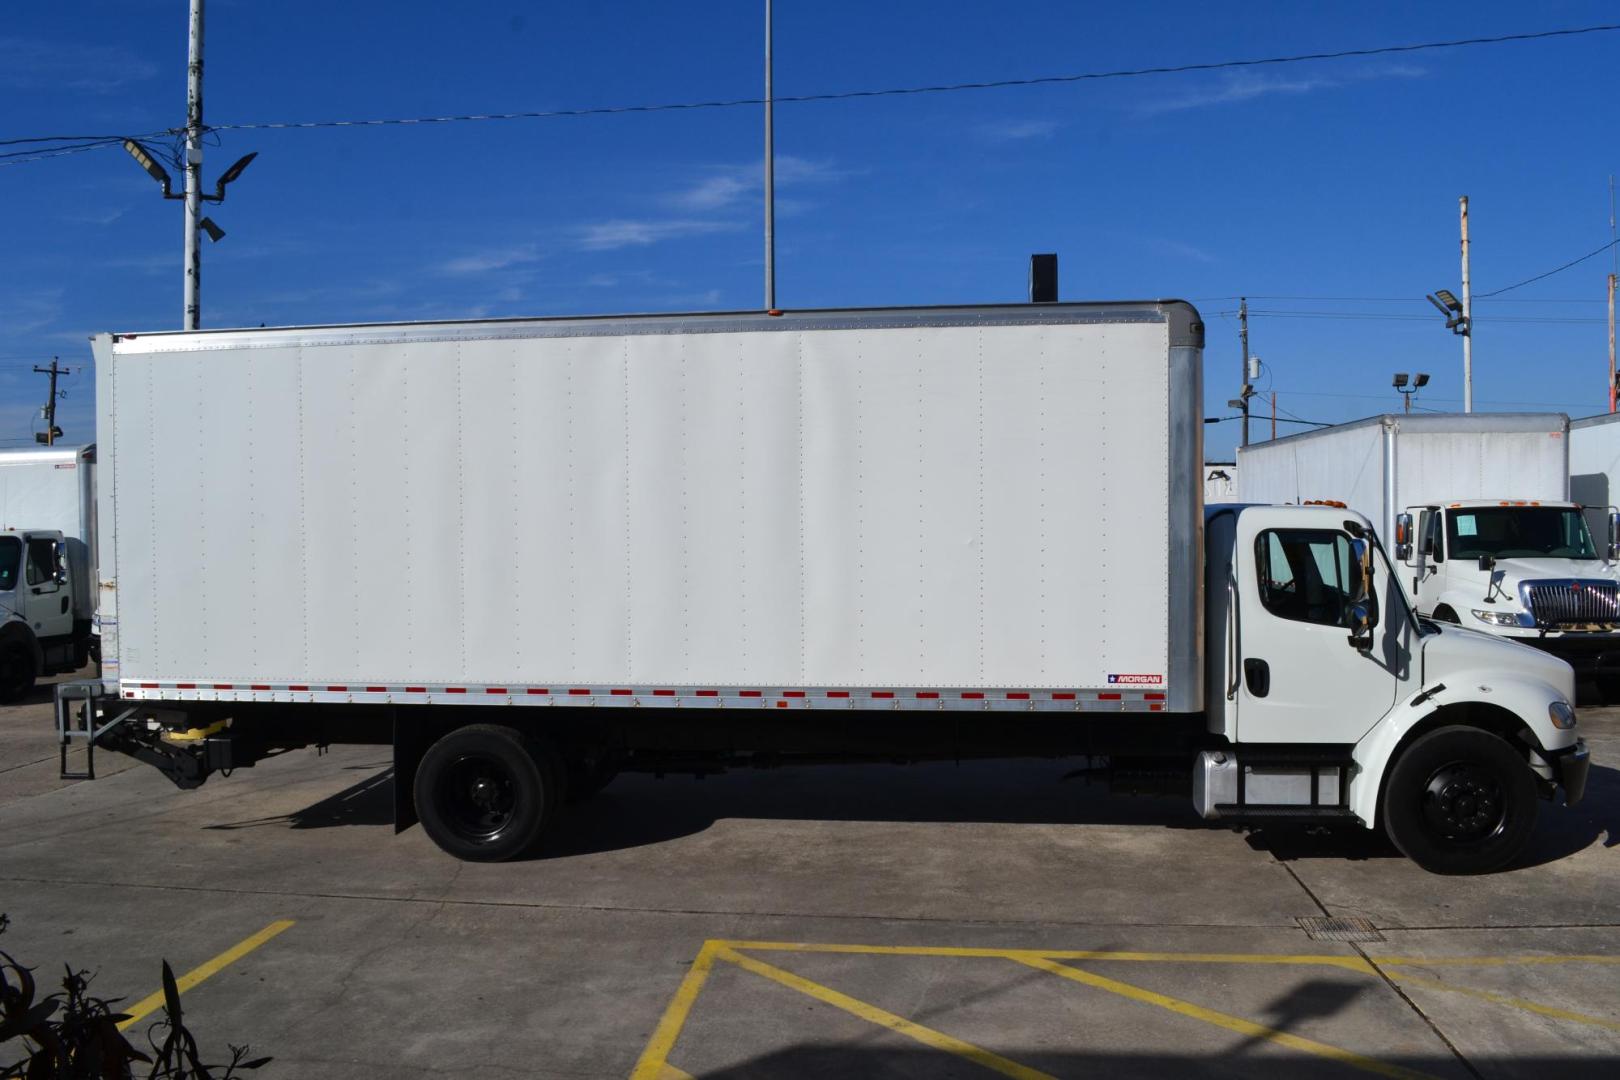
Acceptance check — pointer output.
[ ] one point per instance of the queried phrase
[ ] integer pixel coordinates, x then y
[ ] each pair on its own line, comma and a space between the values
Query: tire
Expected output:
17, 672
1460, 801
485, 794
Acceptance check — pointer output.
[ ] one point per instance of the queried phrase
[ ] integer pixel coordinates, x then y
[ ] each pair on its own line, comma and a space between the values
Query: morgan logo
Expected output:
1136, 680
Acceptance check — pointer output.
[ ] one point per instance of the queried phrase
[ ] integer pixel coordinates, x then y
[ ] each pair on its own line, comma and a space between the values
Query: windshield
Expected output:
1506, 532
10, 560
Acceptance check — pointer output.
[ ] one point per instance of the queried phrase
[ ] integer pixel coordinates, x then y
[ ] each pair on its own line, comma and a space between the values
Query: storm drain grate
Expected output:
1331, 928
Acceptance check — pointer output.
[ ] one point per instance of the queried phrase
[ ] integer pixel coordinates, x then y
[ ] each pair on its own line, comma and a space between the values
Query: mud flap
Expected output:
409, 745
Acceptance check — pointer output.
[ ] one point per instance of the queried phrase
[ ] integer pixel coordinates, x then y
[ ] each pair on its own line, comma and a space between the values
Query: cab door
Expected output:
47, 601
1302, 680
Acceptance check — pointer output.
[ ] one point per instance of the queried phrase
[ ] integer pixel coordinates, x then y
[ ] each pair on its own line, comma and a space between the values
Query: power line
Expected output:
846, 95
1550, 273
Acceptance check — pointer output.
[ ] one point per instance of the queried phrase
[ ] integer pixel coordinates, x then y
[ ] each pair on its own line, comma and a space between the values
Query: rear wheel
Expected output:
1460, 801
16, 670
484, 793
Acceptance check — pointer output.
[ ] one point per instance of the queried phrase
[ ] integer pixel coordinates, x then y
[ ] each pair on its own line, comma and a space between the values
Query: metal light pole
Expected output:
194, 112
770, 174
1467, 317
1243, 384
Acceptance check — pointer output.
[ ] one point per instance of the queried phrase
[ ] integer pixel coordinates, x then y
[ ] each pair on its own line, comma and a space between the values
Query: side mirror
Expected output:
1362, 550
1614, 534
1403, 537
61, 574
1360, 615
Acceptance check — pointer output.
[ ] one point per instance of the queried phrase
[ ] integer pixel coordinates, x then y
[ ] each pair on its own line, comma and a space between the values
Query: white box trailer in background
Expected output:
54, 488
1220, 482
529, 553
1478, 509
1594, 467
47, 564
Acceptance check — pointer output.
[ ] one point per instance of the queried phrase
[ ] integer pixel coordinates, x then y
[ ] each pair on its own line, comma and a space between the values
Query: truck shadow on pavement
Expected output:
1561, 831
638, 810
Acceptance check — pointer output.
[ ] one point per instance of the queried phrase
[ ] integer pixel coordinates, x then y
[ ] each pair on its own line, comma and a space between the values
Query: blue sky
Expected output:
1335, 179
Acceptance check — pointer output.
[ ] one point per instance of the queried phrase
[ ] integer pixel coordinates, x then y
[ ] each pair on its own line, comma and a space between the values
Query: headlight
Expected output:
1504, 618
1561, 715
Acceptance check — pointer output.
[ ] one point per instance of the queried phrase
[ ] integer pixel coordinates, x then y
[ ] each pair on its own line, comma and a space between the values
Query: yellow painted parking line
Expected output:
1489, 961
152, 1002
1351, 963
1220, 1019
666, 1071
653, 1064
938, 1040
1504, 999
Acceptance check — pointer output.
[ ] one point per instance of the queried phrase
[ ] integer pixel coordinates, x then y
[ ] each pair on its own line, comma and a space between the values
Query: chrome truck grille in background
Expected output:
1572, 603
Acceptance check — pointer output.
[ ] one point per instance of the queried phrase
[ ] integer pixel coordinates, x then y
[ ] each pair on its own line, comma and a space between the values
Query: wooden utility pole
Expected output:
1467, 317
50, 403
1243, 383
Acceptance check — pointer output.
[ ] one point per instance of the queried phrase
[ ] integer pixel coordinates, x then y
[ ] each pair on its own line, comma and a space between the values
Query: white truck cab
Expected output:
1450, 731
41, 631
1523, 569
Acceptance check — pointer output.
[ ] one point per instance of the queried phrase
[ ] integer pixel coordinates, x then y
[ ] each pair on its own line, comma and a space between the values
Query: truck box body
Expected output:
1382, 464
53, 487
1594, 467
989, 507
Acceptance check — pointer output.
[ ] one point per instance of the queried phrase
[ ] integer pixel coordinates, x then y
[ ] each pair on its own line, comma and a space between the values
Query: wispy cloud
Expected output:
29, 64
483, 262
29, 312
1239, 87
625, 232
1017, 130
723, 186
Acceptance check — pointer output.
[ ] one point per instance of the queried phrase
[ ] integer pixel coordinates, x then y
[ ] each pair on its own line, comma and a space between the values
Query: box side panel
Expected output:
1445, 467
1346, 466
1594, 472
905, 505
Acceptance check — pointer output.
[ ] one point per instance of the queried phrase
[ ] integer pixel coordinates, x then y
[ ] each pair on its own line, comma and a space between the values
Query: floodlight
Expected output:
231, 174
1400, 379
1235, 403
1448, 298
147, 162
1421, 380
215, 233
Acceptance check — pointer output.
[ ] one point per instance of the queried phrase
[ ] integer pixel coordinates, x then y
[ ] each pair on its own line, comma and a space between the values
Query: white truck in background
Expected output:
526, 554
1480, 512
47, 564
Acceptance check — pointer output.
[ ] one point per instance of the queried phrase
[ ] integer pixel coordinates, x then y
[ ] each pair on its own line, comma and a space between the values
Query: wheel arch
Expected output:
1515, 714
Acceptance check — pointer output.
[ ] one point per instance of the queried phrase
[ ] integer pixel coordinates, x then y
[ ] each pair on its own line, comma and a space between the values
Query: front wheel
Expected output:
483, 793
1460, 801
16, 670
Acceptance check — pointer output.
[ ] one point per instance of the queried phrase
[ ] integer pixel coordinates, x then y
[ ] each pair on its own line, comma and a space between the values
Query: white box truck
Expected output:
1479, 506
1594, 467
526, 554
47, 563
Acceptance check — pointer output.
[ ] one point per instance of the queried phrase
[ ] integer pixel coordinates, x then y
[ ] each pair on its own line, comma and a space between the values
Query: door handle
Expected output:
64, 605
1258, 675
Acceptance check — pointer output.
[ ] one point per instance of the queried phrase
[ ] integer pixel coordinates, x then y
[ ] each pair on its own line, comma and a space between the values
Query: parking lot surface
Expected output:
938, 921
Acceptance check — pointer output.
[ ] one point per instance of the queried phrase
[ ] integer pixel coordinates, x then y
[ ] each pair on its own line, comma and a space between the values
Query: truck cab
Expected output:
42, 631
1524, 569
1333, 699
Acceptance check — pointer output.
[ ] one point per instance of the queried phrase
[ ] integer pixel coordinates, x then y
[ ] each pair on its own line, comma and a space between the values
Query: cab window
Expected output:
41, 562
10, 560
1307, 575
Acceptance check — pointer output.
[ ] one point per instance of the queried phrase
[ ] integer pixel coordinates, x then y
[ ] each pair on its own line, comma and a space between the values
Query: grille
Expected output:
1572, 603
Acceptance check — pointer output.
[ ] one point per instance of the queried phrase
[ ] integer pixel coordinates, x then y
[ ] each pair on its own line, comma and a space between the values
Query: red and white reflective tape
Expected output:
371, 693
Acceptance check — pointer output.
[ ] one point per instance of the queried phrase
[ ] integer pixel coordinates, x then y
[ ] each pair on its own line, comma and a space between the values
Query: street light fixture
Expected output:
1417, 382
1452, 309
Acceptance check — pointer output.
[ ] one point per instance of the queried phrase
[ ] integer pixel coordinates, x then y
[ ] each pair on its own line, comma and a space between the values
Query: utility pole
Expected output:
1274, 414
1243, 383
194, 132
770, 172
1468, 317
1615, 255
50, 403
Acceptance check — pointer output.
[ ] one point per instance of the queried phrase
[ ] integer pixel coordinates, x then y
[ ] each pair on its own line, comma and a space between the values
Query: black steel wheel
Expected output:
16, 670
1460, 801
481, 794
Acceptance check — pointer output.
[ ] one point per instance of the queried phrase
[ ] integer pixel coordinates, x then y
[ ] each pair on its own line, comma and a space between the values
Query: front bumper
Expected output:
1589, 655
1570, 766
